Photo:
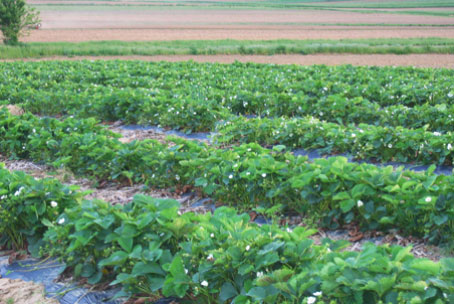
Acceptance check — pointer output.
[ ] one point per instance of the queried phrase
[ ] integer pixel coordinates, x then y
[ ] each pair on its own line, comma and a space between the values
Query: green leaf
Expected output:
426, 266
257, 293
95, 278
347, 205
279, 148
227, 292
245, 269
117, 258
341, 196
87, 270
177, 268
125, 243
141, 268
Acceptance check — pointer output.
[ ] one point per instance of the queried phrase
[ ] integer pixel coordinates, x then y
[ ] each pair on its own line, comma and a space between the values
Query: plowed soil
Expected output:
133, 17
236, 32
132, 23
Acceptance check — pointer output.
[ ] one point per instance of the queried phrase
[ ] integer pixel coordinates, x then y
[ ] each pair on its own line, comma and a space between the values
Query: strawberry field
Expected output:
258, 117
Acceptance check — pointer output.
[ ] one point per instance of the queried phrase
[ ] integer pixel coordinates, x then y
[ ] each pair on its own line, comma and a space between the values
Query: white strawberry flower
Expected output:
317, 293
230, 176
360, 203
428, 199
204, 283
248, 247
311, 300
259, 274
53, 204
449, 147
61, 221
263, 175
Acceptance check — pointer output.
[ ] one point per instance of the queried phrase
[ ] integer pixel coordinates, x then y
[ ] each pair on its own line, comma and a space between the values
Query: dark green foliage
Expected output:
15, 18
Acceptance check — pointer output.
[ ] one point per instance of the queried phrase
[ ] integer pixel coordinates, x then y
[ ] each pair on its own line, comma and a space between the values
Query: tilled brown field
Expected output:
417, 60
76, 23
237, 32
137, 17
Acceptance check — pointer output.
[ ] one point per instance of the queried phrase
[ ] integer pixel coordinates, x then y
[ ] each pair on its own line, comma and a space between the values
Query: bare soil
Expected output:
132, 135
237, 33
14, 110
132, 17
21, 292
417, 60
90, 23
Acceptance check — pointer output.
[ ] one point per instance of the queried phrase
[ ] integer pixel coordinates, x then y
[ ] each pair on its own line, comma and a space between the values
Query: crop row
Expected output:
363, 141
384, 85
333, 190
183, 110
174, 94
150, 249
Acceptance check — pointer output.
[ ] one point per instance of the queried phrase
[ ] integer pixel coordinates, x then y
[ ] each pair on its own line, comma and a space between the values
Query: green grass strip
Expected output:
229, 47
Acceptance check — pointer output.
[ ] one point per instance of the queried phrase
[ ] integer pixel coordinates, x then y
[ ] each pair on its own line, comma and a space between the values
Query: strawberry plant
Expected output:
149, 249
362, 141
26, 204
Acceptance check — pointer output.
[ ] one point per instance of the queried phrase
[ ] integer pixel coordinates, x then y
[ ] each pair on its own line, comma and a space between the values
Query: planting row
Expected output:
150, 249
183, 110
174, 94
331, 191
384, 85
363, 141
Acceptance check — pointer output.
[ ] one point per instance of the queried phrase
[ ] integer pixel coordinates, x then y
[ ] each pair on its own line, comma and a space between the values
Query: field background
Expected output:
299, 32
58, 136
85, 20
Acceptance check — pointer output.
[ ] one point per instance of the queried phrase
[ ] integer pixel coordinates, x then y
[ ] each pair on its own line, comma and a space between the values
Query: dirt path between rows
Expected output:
417, 60
20, 292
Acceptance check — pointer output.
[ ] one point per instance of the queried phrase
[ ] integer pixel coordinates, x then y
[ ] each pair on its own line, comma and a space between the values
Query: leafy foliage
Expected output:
25, 203
149, 249
194, 97
246, 176
364, 141
15, 18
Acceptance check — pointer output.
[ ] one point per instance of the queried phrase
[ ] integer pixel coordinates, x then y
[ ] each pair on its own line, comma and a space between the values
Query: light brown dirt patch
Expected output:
21, 292
14, 110
417, 60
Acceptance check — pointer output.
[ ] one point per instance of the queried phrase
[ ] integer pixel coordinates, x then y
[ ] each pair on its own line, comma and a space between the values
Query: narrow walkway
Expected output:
417, 60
